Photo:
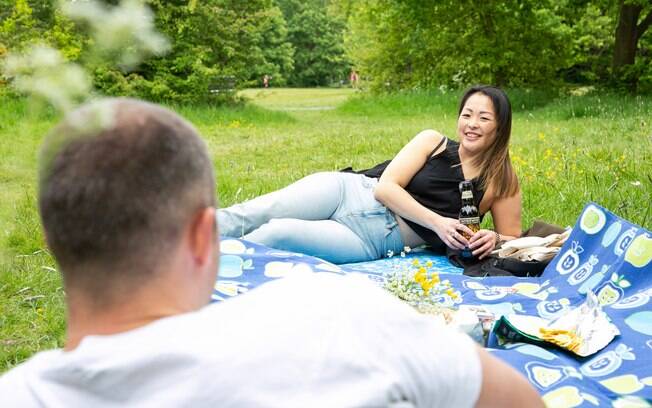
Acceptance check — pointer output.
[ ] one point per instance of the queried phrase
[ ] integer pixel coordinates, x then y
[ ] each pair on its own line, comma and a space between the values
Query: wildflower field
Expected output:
567, 150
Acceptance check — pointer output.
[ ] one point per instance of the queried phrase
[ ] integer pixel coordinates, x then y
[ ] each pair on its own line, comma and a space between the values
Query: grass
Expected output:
567, 151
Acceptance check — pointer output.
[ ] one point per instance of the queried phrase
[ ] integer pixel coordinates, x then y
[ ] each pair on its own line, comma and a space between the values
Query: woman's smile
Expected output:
476, 125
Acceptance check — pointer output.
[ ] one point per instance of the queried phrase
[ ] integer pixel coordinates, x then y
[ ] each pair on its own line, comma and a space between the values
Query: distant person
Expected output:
128, 213
353, 79
266, 79
413, 200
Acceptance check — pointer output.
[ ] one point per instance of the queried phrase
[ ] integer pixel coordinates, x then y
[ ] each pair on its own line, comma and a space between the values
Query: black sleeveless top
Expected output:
436, 187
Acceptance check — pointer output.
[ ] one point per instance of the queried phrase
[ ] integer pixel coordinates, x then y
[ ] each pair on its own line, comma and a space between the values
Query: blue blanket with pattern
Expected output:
604, 253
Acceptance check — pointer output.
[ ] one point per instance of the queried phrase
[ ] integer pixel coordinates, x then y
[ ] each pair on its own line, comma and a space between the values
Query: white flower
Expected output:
636, 183
126, 30
43, 72
407, 249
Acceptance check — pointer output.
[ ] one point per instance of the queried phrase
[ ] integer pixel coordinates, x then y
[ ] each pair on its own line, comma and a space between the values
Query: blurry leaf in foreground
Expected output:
125, 31
43, 72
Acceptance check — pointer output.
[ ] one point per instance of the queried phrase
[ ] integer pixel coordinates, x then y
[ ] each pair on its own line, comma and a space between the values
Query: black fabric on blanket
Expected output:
495, 266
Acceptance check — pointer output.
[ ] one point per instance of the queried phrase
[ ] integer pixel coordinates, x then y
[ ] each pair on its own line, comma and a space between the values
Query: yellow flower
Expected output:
429, 264
420, 276
415, 262
426, 286
450, 292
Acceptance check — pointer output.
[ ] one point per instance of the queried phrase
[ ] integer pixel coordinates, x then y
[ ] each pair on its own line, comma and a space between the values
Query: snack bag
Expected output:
583, 330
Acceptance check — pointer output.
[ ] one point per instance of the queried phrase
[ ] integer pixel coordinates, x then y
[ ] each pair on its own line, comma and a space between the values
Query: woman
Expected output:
408, 201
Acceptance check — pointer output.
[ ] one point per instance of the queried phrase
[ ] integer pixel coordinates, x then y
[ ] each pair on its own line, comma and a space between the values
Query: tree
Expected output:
629, 30
211, 40
317, 38
18, 28
416, 44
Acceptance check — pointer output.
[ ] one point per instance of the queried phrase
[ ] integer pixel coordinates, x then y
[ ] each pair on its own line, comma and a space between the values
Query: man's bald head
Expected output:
119, 180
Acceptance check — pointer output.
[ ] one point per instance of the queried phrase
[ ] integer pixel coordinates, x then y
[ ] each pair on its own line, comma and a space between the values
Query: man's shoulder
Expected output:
14, 383
302, 299
323, 288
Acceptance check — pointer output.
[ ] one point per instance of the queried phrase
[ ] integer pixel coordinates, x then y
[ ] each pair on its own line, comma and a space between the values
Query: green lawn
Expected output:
567, 151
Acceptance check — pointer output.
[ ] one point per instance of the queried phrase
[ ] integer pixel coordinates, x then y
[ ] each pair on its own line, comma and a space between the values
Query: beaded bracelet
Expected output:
497, 241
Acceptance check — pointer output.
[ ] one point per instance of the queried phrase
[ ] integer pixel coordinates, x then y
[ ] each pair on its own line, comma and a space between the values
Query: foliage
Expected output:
411, 44
317, 38
19, 28
244, 39
212, 39
396, 44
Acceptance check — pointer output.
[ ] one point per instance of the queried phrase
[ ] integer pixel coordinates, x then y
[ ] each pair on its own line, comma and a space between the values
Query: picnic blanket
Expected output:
604, 253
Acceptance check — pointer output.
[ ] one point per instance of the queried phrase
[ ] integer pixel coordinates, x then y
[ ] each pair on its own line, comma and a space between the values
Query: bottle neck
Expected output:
467, 197
468, 201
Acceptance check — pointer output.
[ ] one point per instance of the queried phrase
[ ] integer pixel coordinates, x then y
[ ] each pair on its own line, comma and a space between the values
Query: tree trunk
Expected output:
628, 32
626, 35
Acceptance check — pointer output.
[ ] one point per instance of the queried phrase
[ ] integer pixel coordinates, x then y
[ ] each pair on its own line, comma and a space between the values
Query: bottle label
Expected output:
467, 194
469, 220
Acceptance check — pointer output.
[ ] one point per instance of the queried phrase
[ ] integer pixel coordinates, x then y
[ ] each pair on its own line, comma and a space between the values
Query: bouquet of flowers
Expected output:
423, 289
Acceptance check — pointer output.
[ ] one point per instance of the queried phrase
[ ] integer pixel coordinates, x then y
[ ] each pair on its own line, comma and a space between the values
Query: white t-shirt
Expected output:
316, 340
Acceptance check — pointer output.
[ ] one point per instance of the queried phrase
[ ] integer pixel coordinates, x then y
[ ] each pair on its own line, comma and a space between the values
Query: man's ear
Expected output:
203, 235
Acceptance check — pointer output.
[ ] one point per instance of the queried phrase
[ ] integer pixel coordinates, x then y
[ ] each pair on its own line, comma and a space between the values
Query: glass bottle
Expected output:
469, 214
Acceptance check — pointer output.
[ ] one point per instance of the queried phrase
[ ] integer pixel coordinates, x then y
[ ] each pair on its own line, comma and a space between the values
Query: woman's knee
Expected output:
277, 233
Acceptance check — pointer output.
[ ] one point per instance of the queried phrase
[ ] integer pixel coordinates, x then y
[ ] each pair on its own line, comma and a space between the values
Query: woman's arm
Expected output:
506, 214
391, 190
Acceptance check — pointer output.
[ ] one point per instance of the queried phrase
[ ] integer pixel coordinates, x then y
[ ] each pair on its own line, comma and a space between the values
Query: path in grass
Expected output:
298, 99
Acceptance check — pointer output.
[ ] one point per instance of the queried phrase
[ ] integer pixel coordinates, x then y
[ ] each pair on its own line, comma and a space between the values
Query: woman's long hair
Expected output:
495, 165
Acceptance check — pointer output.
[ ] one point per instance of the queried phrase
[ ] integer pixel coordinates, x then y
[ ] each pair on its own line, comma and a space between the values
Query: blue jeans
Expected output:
333, 216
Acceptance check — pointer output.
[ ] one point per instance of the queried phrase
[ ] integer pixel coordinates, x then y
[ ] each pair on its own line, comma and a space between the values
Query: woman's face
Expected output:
476, 126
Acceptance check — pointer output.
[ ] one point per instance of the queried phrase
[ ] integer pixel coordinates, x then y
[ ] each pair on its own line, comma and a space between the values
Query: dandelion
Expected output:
428, 264
541, 136
415, 262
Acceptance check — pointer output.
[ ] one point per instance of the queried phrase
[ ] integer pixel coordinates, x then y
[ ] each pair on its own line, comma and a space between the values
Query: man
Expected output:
126, 198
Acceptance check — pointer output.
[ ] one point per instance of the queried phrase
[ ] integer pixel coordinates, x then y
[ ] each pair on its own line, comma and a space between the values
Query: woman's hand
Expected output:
450, 231
482, 243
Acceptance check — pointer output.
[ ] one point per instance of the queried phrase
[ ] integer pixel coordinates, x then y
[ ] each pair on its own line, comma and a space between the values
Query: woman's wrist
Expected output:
434, 221
497, 239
